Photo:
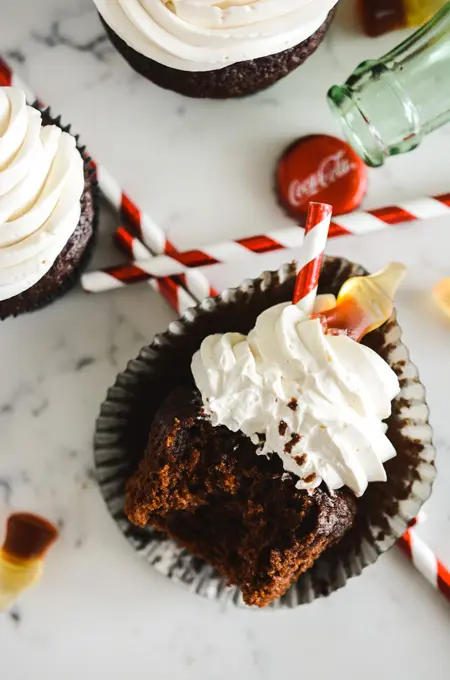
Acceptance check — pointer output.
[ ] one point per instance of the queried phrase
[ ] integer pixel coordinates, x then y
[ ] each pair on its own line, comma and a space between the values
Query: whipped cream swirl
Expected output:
317, 400
41, 182
204, 35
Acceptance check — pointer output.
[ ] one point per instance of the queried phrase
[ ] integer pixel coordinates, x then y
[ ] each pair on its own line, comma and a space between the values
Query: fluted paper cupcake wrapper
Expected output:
89, 171
383, 512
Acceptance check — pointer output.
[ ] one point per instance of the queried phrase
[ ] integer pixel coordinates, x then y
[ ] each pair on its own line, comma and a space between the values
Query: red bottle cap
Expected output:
320, 168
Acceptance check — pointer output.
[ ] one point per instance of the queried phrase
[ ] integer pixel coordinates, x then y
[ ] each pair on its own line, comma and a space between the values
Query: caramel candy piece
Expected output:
381, 16
28, 537
364, 303
441, 294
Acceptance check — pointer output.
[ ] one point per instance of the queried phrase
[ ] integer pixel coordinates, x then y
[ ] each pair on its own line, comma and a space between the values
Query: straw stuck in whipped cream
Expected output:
317, 400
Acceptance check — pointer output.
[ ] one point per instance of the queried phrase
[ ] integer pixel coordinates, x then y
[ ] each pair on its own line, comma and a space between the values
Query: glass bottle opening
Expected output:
356, 127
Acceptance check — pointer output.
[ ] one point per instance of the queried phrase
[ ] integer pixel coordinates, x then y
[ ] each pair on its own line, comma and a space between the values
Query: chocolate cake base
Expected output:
208, 489
74, 257
237, 80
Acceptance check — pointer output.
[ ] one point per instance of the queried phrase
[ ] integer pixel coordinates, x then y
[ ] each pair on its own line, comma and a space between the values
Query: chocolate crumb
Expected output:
300, 460
309, 478
295, 438
293, 405
282, 427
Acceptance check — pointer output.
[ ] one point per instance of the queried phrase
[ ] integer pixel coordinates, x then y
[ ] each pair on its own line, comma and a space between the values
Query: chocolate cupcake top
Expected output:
316, 399
204, 36
41, 183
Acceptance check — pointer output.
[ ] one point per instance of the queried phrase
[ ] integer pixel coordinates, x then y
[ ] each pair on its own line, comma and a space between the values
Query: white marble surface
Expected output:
203, 170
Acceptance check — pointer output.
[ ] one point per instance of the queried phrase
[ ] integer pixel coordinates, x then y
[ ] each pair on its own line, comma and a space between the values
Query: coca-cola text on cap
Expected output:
320, 168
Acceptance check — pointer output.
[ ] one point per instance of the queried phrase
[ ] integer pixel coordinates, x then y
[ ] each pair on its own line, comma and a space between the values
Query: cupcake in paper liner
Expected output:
49, 206
214, 49
206, 510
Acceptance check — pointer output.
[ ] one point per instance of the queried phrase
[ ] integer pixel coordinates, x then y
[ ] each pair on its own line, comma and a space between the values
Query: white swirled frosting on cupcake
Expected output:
315, 399
204, 35
41, 183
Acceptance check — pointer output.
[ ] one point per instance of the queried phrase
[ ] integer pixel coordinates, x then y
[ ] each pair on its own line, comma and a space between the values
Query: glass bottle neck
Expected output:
388, 105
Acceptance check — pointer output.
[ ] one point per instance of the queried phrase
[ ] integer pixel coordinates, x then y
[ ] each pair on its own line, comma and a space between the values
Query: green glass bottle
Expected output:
388, 105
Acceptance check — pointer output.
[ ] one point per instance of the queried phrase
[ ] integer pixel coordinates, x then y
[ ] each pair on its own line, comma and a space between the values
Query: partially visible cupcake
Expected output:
47, 206
216, 49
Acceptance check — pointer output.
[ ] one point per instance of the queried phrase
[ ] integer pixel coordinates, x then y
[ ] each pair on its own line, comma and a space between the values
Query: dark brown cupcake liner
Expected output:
74, 276
384, 511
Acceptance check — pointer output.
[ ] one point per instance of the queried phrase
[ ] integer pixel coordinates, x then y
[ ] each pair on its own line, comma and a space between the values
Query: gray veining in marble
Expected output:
203, 170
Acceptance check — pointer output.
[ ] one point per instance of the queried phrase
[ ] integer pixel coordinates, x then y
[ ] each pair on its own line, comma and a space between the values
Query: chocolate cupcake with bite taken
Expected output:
215, 49
48, 200
253, 447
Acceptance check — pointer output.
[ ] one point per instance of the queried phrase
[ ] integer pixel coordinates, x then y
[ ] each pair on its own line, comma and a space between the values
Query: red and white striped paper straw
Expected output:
425, 561
309, 262
228, 252
171, 288
119, 276
134, 248
130, 245
150, 232
122, 275
187, 262
365, 221
176, 295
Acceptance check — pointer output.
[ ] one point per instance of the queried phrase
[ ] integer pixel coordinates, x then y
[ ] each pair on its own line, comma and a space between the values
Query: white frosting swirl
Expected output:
41, 182
317, 400
204, 35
